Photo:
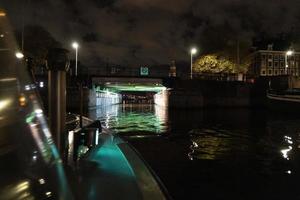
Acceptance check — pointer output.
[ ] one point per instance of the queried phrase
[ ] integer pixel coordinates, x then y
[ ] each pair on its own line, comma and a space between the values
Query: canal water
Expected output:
214, 153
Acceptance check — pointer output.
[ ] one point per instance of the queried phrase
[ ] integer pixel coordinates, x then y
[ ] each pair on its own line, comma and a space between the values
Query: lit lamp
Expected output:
75, 45
19, 55
288, 53
193, 51
2, 13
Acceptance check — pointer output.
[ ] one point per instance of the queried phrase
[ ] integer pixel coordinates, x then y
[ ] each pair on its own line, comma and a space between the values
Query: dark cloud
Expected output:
155, 31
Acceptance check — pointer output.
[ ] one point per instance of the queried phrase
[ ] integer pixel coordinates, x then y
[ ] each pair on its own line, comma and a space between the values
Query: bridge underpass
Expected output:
112, 90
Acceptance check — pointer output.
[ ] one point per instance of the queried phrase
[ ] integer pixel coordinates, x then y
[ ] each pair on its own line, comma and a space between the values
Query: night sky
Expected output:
136, 32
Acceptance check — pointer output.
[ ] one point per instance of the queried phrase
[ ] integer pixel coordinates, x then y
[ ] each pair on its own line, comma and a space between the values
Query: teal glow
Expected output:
30, 118
111, 160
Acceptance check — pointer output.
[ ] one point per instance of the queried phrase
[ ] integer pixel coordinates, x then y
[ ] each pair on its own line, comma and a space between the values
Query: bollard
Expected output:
57, 65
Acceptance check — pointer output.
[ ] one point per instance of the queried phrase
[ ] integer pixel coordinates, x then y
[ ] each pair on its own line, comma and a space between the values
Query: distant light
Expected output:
289, 171
48, 194
289, 53
39, 112
19, 55
195, 144
41, 84
2, 14
22, 100
42, 181
2, 35
27, 87
285, 152
193, 51
75, 45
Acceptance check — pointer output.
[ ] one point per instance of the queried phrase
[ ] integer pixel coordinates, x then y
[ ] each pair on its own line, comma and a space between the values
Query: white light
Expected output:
75, 45
39, 112
285, 152
289, 171
41, 84
289, 53
71, 137
2, 35
48, 194
19, 55
193, 51
42, 181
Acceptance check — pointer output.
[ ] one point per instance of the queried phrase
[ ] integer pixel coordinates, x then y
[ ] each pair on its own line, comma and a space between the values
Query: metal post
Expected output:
286, 64
81, 104
76, 57
191, 65
57, 64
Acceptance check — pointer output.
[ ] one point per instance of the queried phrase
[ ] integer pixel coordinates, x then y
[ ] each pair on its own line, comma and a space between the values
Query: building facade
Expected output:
274, 63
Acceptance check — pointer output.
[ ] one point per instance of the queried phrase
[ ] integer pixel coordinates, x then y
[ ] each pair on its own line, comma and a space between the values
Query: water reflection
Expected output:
228, 151
133, 118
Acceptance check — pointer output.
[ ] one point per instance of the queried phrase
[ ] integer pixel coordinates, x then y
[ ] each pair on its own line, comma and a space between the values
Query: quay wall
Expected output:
202, 94
91, 98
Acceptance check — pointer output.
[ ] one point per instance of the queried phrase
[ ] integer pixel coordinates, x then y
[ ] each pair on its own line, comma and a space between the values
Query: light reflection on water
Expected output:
133, 118
229, 151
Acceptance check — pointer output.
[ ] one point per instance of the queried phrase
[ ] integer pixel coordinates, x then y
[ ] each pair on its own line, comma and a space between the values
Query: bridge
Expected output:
129, 84
114, 90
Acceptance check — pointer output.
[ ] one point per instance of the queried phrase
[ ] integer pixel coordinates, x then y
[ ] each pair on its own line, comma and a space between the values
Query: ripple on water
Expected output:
265, 155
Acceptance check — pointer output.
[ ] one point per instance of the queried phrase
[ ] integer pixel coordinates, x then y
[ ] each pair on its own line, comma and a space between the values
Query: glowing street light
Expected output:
75, 45
288, 53
2, 14
19, 55
193, 51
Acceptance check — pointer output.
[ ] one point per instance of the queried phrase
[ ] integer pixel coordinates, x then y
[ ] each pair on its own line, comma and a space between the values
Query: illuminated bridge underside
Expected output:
129, 84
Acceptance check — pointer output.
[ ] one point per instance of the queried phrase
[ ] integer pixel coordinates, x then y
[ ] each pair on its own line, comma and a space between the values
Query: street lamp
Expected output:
75, 45
193, 51
19, 55
288, 53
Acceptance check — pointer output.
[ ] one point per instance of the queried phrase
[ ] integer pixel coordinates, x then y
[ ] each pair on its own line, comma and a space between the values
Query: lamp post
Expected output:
288, 53
193, 51
75, 45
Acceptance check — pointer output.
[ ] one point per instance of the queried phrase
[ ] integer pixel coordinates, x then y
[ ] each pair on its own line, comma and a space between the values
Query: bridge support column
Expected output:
57, 64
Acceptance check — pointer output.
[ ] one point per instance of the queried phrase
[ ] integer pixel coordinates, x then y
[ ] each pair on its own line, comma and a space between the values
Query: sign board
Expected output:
144, 71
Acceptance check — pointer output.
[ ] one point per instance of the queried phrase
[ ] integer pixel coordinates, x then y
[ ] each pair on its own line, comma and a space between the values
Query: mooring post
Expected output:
57, 64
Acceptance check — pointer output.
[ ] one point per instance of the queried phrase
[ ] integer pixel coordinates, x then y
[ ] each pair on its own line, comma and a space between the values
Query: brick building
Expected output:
274, 63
